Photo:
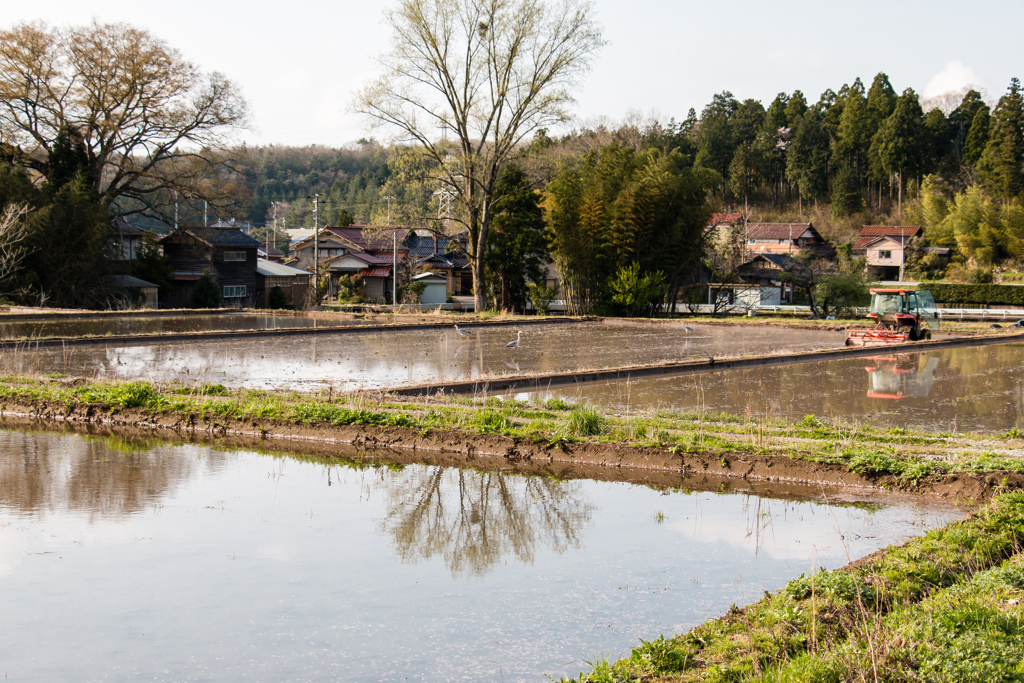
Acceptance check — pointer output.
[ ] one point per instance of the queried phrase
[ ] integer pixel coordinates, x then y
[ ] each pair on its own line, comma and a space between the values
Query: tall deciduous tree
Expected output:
1001, 167
142, 112
467, 81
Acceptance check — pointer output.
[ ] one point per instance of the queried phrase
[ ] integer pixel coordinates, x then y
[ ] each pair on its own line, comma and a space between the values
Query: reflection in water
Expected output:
186, 563
118, 325
389, 359
94, 477
473, 520
979, 388
901, 375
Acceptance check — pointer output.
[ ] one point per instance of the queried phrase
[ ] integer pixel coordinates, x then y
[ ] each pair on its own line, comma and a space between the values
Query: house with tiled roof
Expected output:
444, 256
897, 233
367, 251
785, 238
227, 253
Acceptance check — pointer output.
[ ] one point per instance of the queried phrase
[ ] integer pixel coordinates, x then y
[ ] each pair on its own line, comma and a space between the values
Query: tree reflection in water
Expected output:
474, 519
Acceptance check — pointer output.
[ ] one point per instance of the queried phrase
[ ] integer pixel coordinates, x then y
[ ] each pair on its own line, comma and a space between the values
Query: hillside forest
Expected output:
635, 196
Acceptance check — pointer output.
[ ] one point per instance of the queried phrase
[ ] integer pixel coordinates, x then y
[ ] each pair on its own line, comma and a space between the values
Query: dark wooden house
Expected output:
229, 255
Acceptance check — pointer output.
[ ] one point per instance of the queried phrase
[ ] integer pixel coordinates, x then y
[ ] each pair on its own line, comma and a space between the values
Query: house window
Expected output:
751, 241
885, 253
234, 256
234, 291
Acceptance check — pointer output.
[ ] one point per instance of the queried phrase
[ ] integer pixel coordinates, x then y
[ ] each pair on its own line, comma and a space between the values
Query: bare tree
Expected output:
486, 74
13, 231
144, 113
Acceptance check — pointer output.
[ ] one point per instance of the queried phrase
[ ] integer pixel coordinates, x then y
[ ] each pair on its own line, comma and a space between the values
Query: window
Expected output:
234, 256
885, 253
234, 291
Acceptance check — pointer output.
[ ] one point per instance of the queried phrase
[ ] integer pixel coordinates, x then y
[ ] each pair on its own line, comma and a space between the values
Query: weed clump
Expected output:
583, 421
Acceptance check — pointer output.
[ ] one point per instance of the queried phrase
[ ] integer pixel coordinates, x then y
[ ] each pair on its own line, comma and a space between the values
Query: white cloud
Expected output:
953, 78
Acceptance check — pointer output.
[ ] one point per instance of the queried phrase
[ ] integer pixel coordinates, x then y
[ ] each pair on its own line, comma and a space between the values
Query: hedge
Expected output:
992, 295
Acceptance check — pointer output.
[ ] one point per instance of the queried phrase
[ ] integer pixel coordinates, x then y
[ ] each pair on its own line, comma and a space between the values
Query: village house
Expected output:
271, 253
294, 283
363, 250
884, 247
443, 256
128, 240
722, 229
785, 238
227, 253
762, 282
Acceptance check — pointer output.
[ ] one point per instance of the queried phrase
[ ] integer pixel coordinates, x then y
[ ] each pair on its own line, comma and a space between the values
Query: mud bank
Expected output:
725, 470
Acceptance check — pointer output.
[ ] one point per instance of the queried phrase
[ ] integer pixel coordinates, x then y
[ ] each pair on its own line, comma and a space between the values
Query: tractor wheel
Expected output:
913, 334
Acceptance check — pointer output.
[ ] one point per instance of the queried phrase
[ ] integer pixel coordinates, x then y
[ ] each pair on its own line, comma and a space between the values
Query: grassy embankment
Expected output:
906, 455
946, 606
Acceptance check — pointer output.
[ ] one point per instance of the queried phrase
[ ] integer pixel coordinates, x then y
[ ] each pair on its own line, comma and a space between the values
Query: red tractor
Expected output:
901, 315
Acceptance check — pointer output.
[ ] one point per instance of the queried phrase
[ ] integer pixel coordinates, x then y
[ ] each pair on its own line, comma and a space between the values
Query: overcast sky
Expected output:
298, 65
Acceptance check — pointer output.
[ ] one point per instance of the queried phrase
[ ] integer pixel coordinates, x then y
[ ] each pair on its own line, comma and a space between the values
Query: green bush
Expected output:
206, 293
277, 299
976, 294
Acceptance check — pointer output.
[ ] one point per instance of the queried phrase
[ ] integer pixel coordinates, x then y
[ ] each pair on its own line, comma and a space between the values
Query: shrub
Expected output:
206, 293
277, 299
976, 294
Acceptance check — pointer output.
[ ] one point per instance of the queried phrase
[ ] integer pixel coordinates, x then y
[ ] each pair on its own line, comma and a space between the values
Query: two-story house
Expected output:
227, 253
884, 247
785, 238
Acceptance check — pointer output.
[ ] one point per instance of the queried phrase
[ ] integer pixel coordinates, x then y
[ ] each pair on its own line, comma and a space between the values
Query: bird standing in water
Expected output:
464, 332
515, 342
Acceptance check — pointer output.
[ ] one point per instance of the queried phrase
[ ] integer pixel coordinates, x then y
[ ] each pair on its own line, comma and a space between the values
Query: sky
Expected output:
299, 65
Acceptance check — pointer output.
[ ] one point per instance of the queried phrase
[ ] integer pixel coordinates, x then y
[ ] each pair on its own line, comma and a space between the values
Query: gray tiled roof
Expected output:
225, 237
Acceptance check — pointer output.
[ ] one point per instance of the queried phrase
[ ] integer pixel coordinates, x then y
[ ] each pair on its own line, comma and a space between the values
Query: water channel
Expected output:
974, 388
124, 559
387, 359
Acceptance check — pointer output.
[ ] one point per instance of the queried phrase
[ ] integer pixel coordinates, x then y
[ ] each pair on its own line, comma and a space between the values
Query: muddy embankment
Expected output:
774, 476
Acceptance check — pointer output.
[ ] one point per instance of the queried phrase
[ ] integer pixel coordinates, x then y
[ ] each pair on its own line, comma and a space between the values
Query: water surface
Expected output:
977, 388
120, 325
389, 359
121, 560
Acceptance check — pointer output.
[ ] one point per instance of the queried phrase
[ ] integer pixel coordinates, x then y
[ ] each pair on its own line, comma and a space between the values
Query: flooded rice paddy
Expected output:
122, 559
122, 325
978, 388
388, 359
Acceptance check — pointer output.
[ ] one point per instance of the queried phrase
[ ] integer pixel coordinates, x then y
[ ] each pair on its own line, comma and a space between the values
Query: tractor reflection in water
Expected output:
901, 375
901, 315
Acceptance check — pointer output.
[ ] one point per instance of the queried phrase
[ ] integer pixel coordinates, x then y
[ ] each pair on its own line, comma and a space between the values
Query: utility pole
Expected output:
175, 211
394, 257
206, 207
316, 246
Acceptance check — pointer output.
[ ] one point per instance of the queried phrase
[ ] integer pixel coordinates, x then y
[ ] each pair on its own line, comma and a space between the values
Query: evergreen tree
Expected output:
796, 107
206, 293
901, 139
855, 130
881, 100
846, 197
961, 121
516, 253
938, 142
716, 140
1001, 167
977, 137
807, 157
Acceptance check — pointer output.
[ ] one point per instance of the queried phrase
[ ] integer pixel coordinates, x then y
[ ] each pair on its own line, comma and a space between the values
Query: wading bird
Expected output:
687, 329
464, 332
514, 343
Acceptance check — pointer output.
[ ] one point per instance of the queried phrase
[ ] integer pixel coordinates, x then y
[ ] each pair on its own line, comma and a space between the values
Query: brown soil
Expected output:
775, 476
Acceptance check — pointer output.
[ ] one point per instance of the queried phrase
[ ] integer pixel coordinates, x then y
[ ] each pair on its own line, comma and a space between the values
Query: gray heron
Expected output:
515, 342
463, 331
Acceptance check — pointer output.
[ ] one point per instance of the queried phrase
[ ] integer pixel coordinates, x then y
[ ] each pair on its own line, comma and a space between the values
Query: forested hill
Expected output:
857, 155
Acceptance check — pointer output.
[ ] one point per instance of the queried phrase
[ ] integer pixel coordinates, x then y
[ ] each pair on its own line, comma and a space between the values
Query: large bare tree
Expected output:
467, 81
146, 116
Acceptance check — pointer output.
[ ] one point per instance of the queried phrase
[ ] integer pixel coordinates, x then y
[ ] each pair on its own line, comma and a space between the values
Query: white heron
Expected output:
515, 342
463, 331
